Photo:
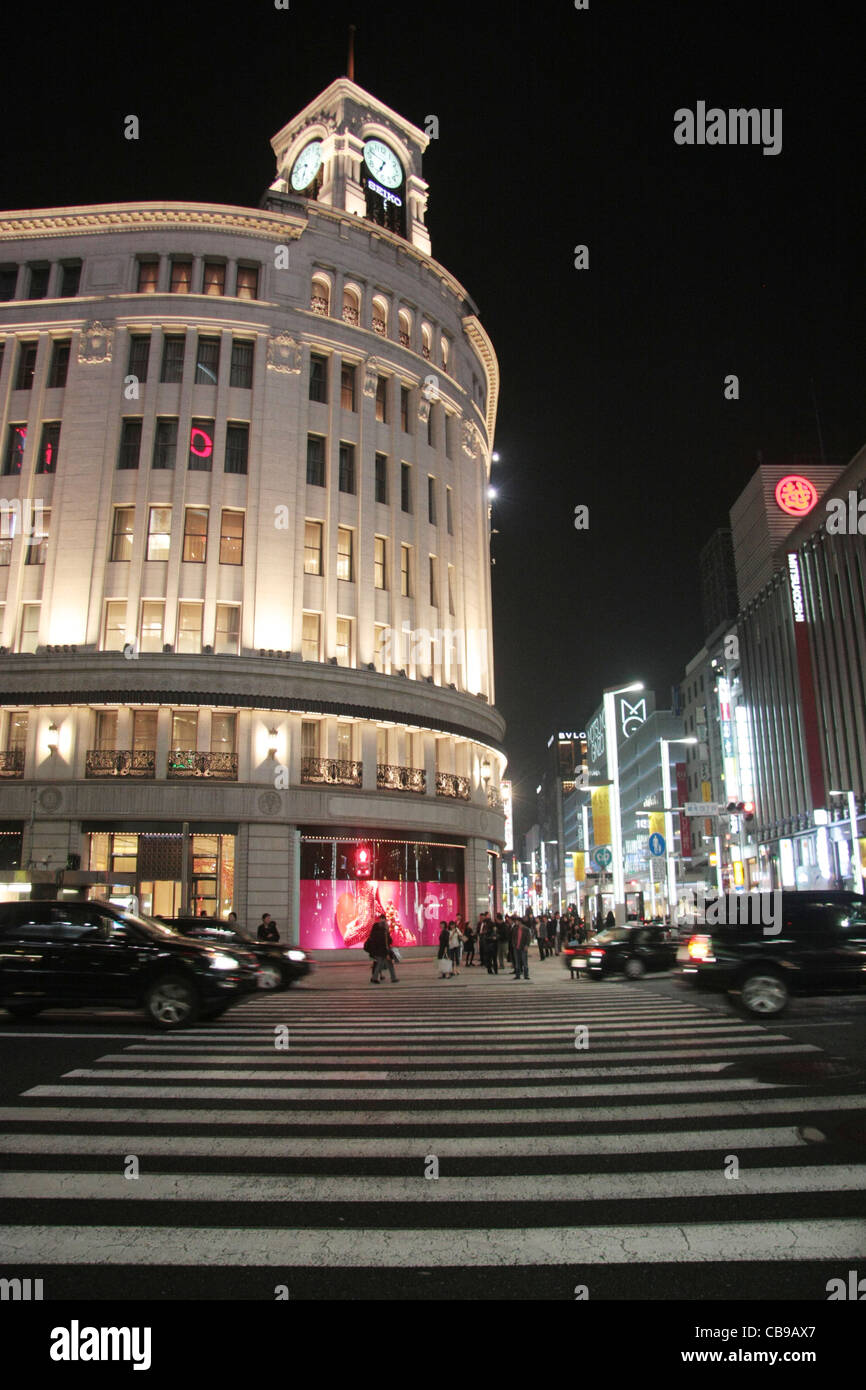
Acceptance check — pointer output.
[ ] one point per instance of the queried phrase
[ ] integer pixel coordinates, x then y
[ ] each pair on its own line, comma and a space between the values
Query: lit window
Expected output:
228, 629
379, 563
152, 626
313, 547
311, 639
232, 538
189, 628
181, 277
29, 627
195, 535
344, 554
159, 533
214, 278
148, 277
344, 642
248, 282
121, 538
114, 630
405, 571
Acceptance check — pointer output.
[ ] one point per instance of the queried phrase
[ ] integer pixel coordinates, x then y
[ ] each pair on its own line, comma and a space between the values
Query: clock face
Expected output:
383, 164
307, 165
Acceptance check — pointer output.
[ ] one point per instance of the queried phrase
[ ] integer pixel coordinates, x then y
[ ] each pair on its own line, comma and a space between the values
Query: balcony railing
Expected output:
120, 762
405, 340
319, 304
333, 771
220, 767
12, 763
494, 799
350, 315
425, 352
379, 326
448, 784
400, 779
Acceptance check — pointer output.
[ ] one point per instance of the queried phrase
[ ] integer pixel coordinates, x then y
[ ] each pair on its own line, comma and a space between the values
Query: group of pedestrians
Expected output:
504, 941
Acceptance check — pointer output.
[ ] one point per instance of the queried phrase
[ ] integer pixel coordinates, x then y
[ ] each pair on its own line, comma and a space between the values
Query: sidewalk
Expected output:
418, 968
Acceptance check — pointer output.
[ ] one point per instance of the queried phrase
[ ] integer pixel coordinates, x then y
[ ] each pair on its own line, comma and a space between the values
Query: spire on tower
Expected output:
350, 68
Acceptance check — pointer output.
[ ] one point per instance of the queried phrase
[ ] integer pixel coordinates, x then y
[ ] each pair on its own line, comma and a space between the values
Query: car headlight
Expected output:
225, 963
295, 955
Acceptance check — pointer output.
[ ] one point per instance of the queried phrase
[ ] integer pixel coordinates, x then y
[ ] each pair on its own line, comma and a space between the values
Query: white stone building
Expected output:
255, 637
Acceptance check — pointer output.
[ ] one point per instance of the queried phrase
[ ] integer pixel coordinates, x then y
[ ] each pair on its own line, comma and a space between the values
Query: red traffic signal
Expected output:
363, 861
748, 810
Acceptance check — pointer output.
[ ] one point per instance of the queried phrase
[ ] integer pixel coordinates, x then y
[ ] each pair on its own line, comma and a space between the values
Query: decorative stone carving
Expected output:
50, 798
470, 439
423, 410
284, 353
95, 343
270, 803
371, 376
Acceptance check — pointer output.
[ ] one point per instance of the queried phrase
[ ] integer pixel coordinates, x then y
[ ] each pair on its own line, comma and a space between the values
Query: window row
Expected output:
195, 535
179, 276
199, 446
40, 280
318, 391
207, 359
37, 539
189, 633
379, 316
317, 477
25, 366
314, 562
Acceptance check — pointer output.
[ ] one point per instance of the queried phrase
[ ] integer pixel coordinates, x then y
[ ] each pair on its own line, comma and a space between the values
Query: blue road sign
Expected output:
656, 843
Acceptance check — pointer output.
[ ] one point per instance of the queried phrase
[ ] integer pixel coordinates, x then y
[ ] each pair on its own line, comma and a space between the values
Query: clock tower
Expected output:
347, 150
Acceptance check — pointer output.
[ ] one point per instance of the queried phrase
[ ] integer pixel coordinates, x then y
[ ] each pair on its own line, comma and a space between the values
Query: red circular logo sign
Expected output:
796, 495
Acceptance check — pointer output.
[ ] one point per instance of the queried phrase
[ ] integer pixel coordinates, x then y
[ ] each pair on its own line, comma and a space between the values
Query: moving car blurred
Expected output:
279, 966
92, 954
630, 950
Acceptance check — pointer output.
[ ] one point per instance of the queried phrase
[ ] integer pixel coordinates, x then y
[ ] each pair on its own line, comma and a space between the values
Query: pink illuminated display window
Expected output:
337, 913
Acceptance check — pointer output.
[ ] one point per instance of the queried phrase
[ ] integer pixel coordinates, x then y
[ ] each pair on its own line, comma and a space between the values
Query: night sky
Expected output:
556, 128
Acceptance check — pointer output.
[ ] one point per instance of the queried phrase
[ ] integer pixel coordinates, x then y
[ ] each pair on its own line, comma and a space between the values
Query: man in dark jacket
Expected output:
521, 935
378, 945
268, 928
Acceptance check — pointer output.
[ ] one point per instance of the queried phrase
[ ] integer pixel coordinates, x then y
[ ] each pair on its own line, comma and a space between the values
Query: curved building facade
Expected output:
245, 612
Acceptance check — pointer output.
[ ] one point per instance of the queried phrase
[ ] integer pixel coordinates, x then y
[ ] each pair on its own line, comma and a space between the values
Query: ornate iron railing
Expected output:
221, 767
448, 784
379, 326
319, 304
400, 779
12, 763
425, 352
494, 798
404, 339
120, 762
350, 315
334, 771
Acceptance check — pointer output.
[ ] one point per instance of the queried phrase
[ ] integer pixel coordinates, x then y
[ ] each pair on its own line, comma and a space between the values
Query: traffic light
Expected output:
363, 861
746, 809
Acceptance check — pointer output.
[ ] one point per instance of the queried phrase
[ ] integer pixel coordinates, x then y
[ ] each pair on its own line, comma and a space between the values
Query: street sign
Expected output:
602, 856
656, 844
701, 808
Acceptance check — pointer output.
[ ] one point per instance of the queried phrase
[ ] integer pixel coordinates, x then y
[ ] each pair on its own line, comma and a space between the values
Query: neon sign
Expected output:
796, 589
208, 443
383, 193
796, 495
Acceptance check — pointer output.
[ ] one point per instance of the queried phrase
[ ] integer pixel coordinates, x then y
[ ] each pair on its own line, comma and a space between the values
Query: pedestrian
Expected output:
521, 935
609, 922
268, 928
541, 937
378, 946
503, 934
232, 919
469, 945
444, 934
490, 947
455, 943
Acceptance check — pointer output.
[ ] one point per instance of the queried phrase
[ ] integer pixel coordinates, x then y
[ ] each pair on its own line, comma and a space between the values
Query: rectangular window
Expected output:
59, 367
405, 487
159, 533
309, 738
165, 444
106, 729
237, 448
242, 364
344, 642
430, 435
173, 348
347, 387
207, 361
381, 481
311, 637
139, 356
114, 627
38, 281
189, 628
195, 535
222, 733
404, 409
184, 730
148, 277
315, 460
228, 629
143, 733
200, 454
14, 456
379, 641
447, 429
150, 637
232, 538
214, 278
434, 593
449, 517
37, 549
406, 571
16, 734
431, 500
49, 448
380, 571
181, 277
451, 590
8, 281
313, 547
344, 742
70, 279
121, 536
7, 535
345, 569
382, 400
347, 468
26, 366
29, 634
318, 378
248, 282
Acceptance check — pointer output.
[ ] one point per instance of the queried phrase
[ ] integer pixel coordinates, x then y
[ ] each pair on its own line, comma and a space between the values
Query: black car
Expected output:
279, 965
92, 954
815, 942
631, 951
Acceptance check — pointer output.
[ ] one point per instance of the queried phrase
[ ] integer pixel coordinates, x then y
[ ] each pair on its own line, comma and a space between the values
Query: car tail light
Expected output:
701, 948
599, 952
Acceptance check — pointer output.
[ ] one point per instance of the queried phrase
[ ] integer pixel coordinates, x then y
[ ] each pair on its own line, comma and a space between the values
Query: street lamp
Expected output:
669, 821
617, 869
855, 847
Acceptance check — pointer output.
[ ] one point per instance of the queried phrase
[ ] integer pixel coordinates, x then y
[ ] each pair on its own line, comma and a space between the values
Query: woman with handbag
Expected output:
455, 945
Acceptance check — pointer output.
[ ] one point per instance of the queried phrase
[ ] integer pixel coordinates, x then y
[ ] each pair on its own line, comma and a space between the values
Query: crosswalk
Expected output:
449, 1135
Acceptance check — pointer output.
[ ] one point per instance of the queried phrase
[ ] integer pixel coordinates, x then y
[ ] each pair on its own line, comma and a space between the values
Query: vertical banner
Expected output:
707, 795
656, 822
600, 815
579, 862
682, 798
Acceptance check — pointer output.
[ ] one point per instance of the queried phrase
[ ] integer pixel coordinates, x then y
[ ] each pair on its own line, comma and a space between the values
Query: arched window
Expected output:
405, 328
351, 306
426, 341
380, 317
444, 349
320, 300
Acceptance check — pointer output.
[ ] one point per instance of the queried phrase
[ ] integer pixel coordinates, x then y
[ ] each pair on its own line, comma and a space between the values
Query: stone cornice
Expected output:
148, 217
484, 350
